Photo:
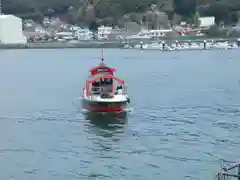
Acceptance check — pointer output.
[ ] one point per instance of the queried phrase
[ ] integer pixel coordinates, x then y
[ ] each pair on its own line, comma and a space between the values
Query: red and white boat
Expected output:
104, 92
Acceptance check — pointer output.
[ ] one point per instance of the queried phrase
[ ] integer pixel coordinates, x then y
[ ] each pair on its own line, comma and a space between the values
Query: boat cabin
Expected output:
103, 82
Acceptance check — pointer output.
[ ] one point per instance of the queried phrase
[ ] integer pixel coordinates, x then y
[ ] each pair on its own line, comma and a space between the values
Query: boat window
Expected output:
96, 83
106, 81
102, 70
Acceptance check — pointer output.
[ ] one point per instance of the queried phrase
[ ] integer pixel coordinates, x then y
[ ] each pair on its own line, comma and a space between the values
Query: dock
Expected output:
230, 173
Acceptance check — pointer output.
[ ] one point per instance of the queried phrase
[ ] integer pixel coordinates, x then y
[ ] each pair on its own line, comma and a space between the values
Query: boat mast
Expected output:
0, 7
102, 59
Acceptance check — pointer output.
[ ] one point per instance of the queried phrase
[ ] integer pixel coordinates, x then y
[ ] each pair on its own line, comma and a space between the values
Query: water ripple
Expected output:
185, 118
17, 150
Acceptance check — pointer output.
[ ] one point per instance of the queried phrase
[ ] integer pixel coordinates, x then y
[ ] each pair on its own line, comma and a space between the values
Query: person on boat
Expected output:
102, 92
119, 89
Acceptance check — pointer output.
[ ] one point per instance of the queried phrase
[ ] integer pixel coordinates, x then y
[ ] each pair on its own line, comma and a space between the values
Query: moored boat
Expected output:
104, 92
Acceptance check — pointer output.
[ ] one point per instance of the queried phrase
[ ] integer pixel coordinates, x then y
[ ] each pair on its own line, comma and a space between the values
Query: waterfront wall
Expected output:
99, 44
54, 45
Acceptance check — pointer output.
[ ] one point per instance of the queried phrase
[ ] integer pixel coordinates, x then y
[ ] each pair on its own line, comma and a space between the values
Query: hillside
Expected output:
115, 11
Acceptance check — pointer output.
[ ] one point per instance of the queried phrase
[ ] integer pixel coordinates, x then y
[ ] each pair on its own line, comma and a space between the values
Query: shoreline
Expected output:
61, 45
103, 44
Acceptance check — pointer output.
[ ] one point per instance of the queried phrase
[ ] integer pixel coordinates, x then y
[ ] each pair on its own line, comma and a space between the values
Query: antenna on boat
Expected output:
102, 59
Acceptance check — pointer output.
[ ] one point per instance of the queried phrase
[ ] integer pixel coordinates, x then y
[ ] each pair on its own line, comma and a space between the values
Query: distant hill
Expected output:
92, 11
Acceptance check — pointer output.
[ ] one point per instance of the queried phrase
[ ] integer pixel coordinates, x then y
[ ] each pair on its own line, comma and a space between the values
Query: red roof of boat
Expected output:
102, 68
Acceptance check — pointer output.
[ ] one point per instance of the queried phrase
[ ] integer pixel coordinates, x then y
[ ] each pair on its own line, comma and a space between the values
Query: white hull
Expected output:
97, 98
96, 103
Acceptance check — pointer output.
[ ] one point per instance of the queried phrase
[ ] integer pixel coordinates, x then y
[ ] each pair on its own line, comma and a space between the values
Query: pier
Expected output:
231, 173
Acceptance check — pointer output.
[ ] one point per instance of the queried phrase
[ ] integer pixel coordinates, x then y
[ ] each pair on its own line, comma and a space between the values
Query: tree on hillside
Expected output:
155, 19
185, 7
89, 11
223, 11
195, 19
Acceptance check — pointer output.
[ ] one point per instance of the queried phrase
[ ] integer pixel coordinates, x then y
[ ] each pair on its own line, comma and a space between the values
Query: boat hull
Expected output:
99, 106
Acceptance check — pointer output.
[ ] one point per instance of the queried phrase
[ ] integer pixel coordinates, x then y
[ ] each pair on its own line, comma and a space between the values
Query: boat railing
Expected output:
95, 89
231, 173
106, 92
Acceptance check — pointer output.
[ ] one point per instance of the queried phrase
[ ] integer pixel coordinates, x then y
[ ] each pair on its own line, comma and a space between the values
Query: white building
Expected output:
83, 34
103, 32
74, 28
207, 21
11, 30
65, 35
148, 34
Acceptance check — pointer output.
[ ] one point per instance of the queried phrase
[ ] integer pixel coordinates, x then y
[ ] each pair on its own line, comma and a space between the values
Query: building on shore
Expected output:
83, 34
150, 34
206, 22
103, 32
11, 30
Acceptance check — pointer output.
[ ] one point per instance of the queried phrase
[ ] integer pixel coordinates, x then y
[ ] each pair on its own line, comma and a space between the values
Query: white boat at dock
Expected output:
184, 46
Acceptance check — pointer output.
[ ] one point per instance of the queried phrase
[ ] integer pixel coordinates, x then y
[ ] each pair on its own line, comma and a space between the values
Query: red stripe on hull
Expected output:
106, 109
